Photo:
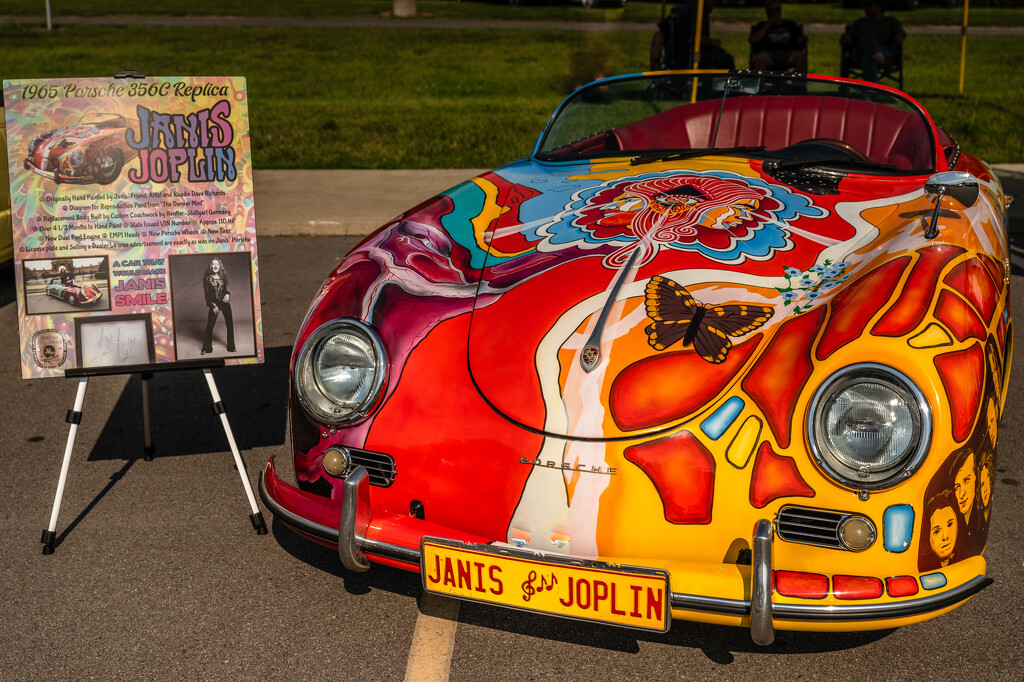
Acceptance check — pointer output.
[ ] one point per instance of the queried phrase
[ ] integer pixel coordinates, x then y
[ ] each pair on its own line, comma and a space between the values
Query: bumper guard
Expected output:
353, 546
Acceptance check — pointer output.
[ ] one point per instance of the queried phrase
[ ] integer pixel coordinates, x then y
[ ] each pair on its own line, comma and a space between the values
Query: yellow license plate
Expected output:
627, 596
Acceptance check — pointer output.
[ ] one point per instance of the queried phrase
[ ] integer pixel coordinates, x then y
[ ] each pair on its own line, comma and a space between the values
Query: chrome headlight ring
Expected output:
869, 426
340, 372
77, 158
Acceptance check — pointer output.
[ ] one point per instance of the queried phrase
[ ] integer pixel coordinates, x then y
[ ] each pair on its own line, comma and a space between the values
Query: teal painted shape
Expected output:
724, 417
898, 528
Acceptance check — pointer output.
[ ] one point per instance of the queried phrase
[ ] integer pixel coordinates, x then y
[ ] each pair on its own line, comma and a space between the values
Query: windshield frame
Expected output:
935, 158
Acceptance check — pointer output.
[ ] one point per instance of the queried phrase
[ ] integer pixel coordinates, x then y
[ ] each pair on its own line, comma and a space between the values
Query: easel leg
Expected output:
147, 453
74, 418
218, 408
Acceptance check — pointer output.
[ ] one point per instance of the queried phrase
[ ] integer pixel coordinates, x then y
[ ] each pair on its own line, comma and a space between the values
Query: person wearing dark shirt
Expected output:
778, 43
218, 301
873, 40
671, 47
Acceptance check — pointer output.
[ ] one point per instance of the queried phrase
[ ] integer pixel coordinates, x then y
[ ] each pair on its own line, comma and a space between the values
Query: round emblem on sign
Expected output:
49, 348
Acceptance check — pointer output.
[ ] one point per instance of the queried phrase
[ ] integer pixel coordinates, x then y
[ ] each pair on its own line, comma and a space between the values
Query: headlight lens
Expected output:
77, 158
869, 426
32, 147
340, 371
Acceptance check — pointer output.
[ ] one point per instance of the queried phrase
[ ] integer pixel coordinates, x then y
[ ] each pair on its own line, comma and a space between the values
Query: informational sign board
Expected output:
134, 228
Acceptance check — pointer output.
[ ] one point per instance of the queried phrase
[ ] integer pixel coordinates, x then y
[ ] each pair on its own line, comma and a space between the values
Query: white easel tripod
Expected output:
74, 418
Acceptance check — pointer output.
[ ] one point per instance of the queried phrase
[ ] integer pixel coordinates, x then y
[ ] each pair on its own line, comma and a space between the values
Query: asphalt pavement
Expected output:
158, 574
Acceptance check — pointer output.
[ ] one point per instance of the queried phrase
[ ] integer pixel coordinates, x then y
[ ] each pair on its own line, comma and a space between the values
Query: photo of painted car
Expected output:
92, 151
73, 293
727, 347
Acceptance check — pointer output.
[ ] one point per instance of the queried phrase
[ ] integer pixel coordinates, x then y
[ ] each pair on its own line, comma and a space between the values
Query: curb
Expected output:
317, 203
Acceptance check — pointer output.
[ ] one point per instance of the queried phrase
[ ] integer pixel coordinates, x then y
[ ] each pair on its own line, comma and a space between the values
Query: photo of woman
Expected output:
218, 301
212, 305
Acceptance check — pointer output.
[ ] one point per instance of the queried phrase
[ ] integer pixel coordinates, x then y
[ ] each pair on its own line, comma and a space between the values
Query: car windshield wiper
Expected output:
792, 164
675, 154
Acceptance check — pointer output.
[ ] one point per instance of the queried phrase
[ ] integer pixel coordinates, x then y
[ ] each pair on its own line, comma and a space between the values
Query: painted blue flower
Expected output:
812, 295
793, 272
818, 269
807, 282
789, 296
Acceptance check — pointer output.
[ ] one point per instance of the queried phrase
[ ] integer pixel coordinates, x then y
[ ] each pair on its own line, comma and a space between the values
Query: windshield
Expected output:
102, 120
792, 120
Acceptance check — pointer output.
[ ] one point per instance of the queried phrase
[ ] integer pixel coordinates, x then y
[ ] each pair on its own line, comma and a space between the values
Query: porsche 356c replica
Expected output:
727, 347
94, 150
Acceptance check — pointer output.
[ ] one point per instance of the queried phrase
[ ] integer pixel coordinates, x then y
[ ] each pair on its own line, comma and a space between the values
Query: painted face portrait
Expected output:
991, 414
985, 482
943, 531
964, 486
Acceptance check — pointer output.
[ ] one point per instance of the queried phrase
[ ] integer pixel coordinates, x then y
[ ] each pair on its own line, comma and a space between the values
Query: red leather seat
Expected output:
885, 134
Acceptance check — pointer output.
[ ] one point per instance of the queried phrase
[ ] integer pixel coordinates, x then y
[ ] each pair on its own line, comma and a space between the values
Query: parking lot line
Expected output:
433, 639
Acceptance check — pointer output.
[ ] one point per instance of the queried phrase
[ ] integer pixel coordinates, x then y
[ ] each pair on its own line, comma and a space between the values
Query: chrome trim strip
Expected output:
762, 630
589, 361
355, 518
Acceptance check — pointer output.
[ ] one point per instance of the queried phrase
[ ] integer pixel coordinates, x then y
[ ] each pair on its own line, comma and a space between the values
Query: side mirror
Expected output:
961, 187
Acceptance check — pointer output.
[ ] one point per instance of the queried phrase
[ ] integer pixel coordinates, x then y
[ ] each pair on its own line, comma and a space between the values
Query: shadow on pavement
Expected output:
255, 398
7, 294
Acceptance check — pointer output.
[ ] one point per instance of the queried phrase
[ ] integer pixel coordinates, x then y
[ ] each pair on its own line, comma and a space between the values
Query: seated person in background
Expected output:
778, 43
873, 40
671, 47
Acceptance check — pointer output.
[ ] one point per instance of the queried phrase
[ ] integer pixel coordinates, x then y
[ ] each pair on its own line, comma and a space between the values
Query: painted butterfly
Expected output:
676, 315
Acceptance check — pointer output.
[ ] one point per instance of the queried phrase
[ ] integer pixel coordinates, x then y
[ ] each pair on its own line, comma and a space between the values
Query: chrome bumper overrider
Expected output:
353, 546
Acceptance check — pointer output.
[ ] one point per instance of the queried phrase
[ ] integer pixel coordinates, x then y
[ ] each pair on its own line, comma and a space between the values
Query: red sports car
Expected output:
73, 293
92, 151
728, 347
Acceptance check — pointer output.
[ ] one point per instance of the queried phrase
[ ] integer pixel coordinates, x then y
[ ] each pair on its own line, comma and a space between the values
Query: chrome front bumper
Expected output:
353, 546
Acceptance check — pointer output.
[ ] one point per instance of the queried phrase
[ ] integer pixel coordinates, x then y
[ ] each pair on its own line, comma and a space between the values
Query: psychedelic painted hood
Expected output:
602, 285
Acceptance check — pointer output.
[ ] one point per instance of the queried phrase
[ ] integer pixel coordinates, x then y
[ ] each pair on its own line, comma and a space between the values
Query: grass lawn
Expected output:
398, 98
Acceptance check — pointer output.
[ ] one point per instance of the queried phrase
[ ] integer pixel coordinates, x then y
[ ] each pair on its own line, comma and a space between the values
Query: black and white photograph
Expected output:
211, 300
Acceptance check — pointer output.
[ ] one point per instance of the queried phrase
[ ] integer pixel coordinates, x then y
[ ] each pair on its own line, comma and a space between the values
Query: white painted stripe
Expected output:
433, 640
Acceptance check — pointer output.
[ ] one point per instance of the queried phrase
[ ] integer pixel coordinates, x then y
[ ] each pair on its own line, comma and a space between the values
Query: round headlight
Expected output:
869, 426
77, 158
32, 147
340, 372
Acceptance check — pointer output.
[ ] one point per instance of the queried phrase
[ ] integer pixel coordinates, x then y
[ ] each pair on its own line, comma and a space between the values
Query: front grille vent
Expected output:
379, 467
810, 526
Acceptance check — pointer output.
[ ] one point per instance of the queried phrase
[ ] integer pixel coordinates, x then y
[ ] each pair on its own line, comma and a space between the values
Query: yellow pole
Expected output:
963, 45
696, 45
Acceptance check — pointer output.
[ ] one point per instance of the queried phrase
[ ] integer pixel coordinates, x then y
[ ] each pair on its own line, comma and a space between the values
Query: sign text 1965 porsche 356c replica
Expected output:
727, 347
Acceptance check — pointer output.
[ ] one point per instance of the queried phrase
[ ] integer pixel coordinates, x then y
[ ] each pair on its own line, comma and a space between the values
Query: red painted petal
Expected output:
854, 308
683, 473
803, 585
856, 587
775, 382
775, 476
912, 305
901, 586
666, 387
995, 270
972, 281
959, 317
963, 376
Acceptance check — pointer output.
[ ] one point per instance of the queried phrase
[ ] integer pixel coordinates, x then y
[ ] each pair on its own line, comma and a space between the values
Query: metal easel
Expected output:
74, 418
